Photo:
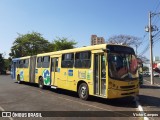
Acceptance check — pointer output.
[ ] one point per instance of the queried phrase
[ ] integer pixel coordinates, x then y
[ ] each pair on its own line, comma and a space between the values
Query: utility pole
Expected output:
151, 51
150, 28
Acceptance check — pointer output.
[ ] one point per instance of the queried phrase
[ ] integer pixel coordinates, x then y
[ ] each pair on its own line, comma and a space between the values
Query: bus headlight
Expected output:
112, 85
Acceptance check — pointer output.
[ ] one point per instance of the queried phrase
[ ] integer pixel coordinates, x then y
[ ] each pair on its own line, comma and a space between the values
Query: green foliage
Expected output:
145, 68
63, 43
29, 44
2, 67
7, 64
33, 43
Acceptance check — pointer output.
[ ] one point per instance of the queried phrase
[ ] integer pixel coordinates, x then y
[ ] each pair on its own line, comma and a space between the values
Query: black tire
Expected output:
83, 91
18, 79
41, 85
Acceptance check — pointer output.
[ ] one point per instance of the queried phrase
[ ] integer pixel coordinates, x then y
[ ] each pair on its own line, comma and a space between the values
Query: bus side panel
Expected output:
38, 74
26, 74
20, 72
61, 83
71, 79
32, 69
85, 75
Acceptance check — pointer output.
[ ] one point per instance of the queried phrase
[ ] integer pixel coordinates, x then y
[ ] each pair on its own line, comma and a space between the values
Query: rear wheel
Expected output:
18, 79
83, 91
41, 85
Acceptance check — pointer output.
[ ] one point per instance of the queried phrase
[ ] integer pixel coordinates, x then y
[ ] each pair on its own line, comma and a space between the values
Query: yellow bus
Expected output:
105, 70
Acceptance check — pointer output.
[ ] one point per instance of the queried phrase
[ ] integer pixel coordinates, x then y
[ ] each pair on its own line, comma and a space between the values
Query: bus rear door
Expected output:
54, 70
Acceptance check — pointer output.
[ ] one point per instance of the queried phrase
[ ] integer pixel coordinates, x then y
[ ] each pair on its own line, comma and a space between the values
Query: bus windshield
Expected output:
122, 66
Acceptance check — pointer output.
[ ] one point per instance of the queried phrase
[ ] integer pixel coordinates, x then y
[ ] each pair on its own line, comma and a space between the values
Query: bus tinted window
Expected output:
67, 60
83, 59
26, 62
39, 62
54, 65
17, 64
21, 63
120, 49
45, 63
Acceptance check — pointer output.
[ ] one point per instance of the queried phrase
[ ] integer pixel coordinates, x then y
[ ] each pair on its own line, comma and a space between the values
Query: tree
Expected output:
63, 43
125, 40
1, 63
143, 58
30, 44
7, 64
145, 68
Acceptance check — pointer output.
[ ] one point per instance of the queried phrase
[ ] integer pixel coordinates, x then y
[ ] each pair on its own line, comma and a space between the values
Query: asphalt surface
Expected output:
149, 96
28, 97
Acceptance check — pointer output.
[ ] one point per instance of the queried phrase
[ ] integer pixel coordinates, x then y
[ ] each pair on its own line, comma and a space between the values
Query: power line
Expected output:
145, 50
151, 29
155, 11
158, 33
157, 7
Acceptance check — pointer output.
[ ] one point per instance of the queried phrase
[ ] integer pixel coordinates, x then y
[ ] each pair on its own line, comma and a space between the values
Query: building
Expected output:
97, 40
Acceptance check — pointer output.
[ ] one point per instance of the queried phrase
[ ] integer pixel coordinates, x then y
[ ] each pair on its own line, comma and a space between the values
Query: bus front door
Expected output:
54, 70
99, 74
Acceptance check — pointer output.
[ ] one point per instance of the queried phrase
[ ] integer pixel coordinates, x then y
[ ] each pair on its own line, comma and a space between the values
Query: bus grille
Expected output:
128, 87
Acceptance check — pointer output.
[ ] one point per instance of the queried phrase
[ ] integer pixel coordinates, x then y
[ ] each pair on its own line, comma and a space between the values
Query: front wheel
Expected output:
18, 79
41, 85
83, 91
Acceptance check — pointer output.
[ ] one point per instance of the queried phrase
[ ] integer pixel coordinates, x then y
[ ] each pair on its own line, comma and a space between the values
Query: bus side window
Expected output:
83, 59
21, 63
67, 60
54, 65
45, 63
26, 62
17, 64
39, 62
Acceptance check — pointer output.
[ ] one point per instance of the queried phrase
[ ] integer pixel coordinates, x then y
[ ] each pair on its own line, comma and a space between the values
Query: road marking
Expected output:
150, 82
1, 109
4, 110
140, 107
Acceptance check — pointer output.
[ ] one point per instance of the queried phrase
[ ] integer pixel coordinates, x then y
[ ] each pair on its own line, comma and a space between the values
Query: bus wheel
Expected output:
18, 79
83, 91
41, 85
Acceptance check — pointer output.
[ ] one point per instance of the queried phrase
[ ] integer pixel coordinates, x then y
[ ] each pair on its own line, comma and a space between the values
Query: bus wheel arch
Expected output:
18, 79
40, 82
83, 90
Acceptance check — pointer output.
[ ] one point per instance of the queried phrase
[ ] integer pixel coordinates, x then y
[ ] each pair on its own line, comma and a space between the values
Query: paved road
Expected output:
28, 97
149, 96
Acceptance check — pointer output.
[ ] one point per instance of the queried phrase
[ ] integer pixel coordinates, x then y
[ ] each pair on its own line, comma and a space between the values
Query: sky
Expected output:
77, 20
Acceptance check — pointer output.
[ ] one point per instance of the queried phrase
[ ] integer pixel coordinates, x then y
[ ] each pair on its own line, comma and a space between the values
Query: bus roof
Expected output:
85, 48
21, 58
93, 47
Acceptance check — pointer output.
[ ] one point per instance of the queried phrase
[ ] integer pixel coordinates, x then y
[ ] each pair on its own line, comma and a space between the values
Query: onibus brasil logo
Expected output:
46, 77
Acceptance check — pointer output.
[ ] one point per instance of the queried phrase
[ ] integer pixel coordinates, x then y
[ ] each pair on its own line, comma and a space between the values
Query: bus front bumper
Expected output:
116, 93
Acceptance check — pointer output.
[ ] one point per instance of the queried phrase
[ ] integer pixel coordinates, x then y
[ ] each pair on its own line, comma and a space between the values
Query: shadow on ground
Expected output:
119, 102
150, 101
